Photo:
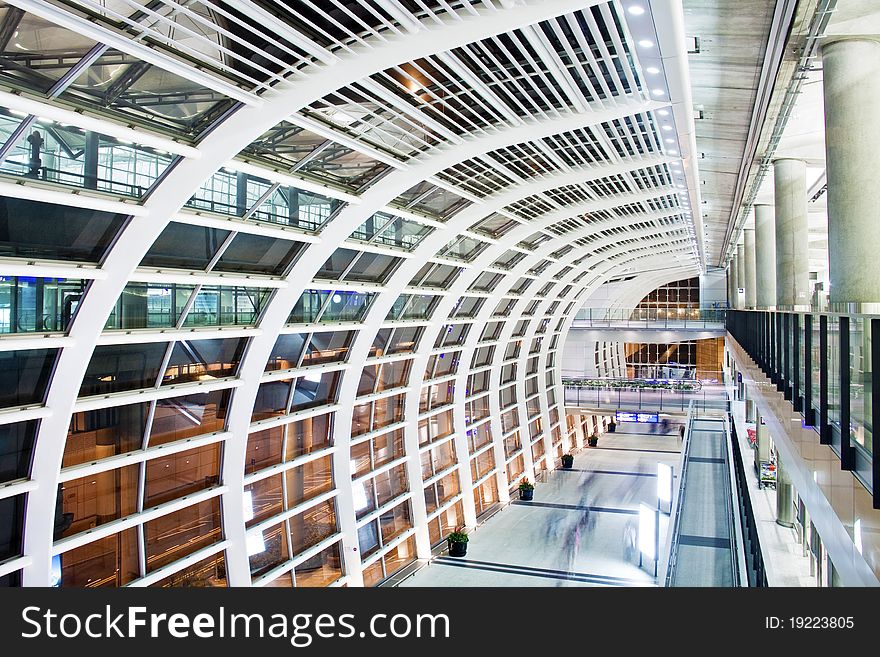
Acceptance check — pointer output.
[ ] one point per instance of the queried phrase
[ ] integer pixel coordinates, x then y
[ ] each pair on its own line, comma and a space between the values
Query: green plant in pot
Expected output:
567, 461
612, 426
526, 490
457, 542
593, 440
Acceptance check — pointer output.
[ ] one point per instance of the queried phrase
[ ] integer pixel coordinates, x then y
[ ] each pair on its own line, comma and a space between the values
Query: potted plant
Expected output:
612, 426
593, 440
457, 542
567, 461
526, 490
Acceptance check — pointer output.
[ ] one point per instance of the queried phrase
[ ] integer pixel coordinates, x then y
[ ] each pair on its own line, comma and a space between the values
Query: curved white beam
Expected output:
219, 146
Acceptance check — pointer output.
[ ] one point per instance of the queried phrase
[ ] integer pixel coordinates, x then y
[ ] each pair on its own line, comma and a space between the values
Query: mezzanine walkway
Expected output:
579, 529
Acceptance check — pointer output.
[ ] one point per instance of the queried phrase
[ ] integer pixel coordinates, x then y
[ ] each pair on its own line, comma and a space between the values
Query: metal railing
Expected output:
652, 318
828, 367
643, 394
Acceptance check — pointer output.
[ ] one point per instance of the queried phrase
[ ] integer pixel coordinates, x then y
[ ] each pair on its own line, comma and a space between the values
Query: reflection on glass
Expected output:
207, 573
32, 229
109, 561
270, 552
192, 415
309, 480
98, 499
321, 570
24, 376
41, 305
11, 526
96, 435
311, 527
180, 474
204, 360
16, 449
174, 536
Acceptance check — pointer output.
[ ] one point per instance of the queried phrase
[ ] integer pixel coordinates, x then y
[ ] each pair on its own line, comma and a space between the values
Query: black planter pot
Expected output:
457, 549
593, 442
527, 495
566, 465
612, 428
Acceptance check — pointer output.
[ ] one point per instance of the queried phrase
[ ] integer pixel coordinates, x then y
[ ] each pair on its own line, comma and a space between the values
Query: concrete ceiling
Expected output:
733, 37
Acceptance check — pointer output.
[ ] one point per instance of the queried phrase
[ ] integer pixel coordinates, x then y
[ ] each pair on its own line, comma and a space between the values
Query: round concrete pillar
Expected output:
749, 243
851, 86
765, 255
792, 254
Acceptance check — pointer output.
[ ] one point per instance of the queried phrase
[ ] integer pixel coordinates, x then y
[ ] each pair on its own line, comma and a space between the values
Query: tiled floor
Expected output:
578, 531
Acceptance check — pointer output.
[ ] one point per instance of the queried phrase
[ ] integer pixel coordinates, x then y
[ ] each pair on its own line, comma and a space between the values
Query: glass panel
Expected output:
286, 352
11, 526
149, 305
321, 570
96, 435
183, 532
98, 499
30, 304
272, 399
861, 393
115, 368
401, 556
328, 347
372, 268
310, 528
180, 474
207, 573
390, 484
315, 390
309, 480
183, 246
16, 450
227, 306
266, 498
31, 229
308, 307
192, 415
109, 561
309, 435
347, 307
204, 360
394, 522
258, 254
24, 376
834, 372
274, 550
338, 262
264, 449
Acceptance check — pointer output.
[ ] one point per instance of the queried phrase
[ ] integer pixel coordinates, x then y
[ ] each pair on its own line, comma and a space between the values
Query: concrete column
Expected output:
751, 290
731, 282
792, 253
765, 255
851, 86
784, 497
740, 272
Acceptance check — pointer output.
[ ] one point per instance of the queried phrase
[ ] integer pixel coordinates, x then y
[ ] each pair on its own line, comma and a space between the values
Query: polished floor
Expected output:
580, 530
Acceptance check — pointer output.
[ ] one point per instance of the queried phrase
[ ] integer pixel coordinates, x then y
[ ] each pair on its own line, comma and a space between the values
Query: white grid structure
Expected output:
479, 168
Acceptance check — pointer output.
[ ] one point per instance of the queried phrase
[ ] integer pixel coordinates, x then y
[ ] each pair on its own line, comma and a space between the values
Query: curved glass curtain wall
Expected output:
455, 399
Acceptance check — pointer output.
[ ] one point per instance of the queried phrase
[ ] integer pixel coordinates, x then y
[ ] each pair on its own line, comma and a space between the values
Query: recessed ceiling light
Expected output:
672, 151
645, 43
653, 70
662, 113
670, 141
658, 92
667, 127
636, 10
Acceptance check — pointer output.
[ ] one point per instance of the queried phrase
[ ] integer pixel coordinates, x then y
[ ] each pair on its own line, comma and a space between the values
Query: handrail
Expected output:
734, 522
675, 519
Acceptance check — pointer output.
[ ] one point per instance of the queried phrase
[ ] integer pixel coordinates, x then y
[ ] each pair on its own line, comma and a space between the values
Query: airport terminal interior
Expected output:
358, 293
